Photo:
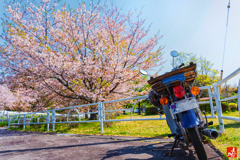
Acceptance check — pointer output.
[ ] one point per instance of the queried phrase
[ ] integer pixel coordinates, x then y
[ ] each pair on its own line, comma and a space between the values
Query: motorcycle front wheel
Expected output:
197, 143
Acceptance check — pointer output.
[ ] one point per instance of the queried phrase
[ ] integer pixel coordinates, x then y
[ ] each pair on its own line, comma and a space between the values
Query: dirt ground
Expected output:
17, 145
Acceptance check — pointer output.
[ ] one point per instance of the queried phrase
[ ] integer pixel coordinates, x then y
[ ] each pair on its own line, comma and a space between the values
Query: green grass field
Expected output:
154, 128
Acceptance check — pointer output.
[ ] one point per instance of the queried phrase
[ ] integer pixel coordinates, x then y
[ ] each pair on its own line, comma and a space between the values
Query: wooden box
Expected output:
190, 74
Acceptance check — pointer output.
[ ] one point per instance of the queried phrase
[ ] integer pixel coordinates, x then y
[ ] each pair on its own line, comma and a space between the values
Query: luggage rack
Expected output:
190, 74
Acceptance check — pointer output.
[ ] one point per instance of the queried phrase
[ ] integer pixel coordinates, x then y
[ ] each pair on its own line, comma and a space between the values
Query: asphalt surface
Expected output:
18, 145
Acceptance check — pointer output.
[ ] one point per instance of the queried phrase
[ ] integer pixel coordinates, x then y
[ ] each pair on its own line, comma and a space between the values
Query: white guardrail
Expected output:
4, 115
49, 116
218, 100
210, 95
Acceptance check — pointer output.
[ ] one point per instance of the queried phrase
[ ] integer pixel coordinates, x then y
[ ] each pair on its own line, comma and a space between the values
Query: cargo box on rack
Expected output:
190, 74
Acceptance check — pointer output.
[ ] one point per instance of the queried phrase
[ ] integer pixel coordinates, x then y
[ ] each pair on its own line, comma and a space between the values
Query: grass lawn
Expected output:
154, 128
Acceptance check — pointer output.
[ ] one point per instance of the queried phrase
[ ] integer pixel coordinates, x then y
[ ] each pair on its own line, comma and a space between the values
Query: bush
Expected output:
206, 107
72, 125
233, 106
110, 115
151, 110
226, 107
3, 123
60, 119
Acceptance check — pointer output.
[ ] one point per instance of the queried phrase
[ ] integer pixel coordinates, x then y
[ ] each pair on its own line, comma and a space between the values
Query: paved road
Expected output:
19, 145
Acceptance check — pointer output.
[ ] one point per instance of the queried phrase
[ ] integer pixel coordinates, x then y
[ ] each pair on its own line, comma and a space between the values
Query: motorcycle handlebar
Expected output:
181, 65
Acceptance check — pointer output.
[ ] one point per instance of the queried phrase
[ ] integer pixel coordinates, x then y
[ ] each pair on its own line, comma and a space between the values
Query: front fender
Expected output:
189, 119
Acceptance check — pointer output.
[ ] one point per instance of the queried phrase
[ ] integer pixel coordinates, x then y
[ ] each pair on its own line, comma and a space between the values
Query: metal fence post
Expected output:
47, 120
103, 111
102, 129
100, 116
53, 120
9, 121
131, 113
219, 108
210, 101
239, 97
24, 119
7, 115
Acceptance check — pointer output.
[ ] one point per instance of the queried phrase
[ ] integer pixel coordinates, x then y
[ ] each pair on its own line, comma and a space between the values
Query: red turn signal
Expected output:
195, 90
164, 101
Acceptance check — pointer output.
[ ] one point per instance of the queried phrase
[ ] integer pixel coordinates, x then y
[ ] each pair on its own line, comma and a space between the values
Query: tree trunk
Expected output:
93, 116
86, 116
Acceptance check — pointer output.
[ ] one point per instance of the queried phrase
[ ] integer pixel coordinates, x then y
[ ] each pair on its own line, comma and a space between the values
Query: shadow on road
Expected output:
155, 151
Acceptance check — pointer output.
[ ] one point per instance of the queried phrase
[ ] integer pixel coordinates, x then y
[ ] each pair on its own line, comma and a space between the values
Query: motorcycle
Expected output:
175, 94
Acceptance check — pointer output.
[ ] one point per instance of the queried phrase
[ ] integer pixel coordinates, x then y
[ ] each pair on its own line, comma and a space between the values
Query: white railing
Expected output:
4, 115
210, 95
49, 116
218, 100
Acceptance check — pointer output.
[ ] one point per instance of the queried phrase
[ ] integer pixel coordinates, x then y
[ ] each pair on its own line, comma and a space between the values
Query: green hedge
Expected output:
226, 107
151, 110
3, 123
233, 106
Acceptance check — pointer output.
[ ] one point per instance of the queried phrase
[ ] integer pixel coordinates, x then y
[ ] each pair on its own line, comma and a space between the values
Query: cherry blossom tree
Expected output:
7, 97
15, 100
84, 55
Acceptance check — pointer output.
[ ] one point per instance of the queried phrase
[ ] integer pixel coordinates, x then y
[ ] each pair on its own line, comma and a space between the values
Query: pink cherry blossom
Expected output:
81, 55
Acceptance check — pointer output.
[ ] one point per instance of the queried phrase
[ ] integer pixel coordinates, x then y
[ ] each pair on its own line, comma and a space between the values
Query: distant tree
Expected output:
206, 74
205, 67
185, 58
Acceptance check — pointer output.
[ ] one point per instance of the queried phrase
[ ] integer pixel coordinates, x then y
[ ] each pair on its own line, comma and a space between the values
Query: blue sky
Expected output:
189, 26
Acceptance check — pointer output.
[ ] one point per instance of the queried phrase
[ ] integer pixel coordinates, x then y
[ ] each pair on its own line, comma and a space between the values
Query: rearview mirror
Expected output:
143, 72
174, 53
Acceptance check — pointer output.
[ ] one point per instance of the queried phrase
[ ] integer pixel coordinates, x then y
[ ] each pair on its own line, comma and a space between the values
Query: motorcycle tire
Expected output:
197, 143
